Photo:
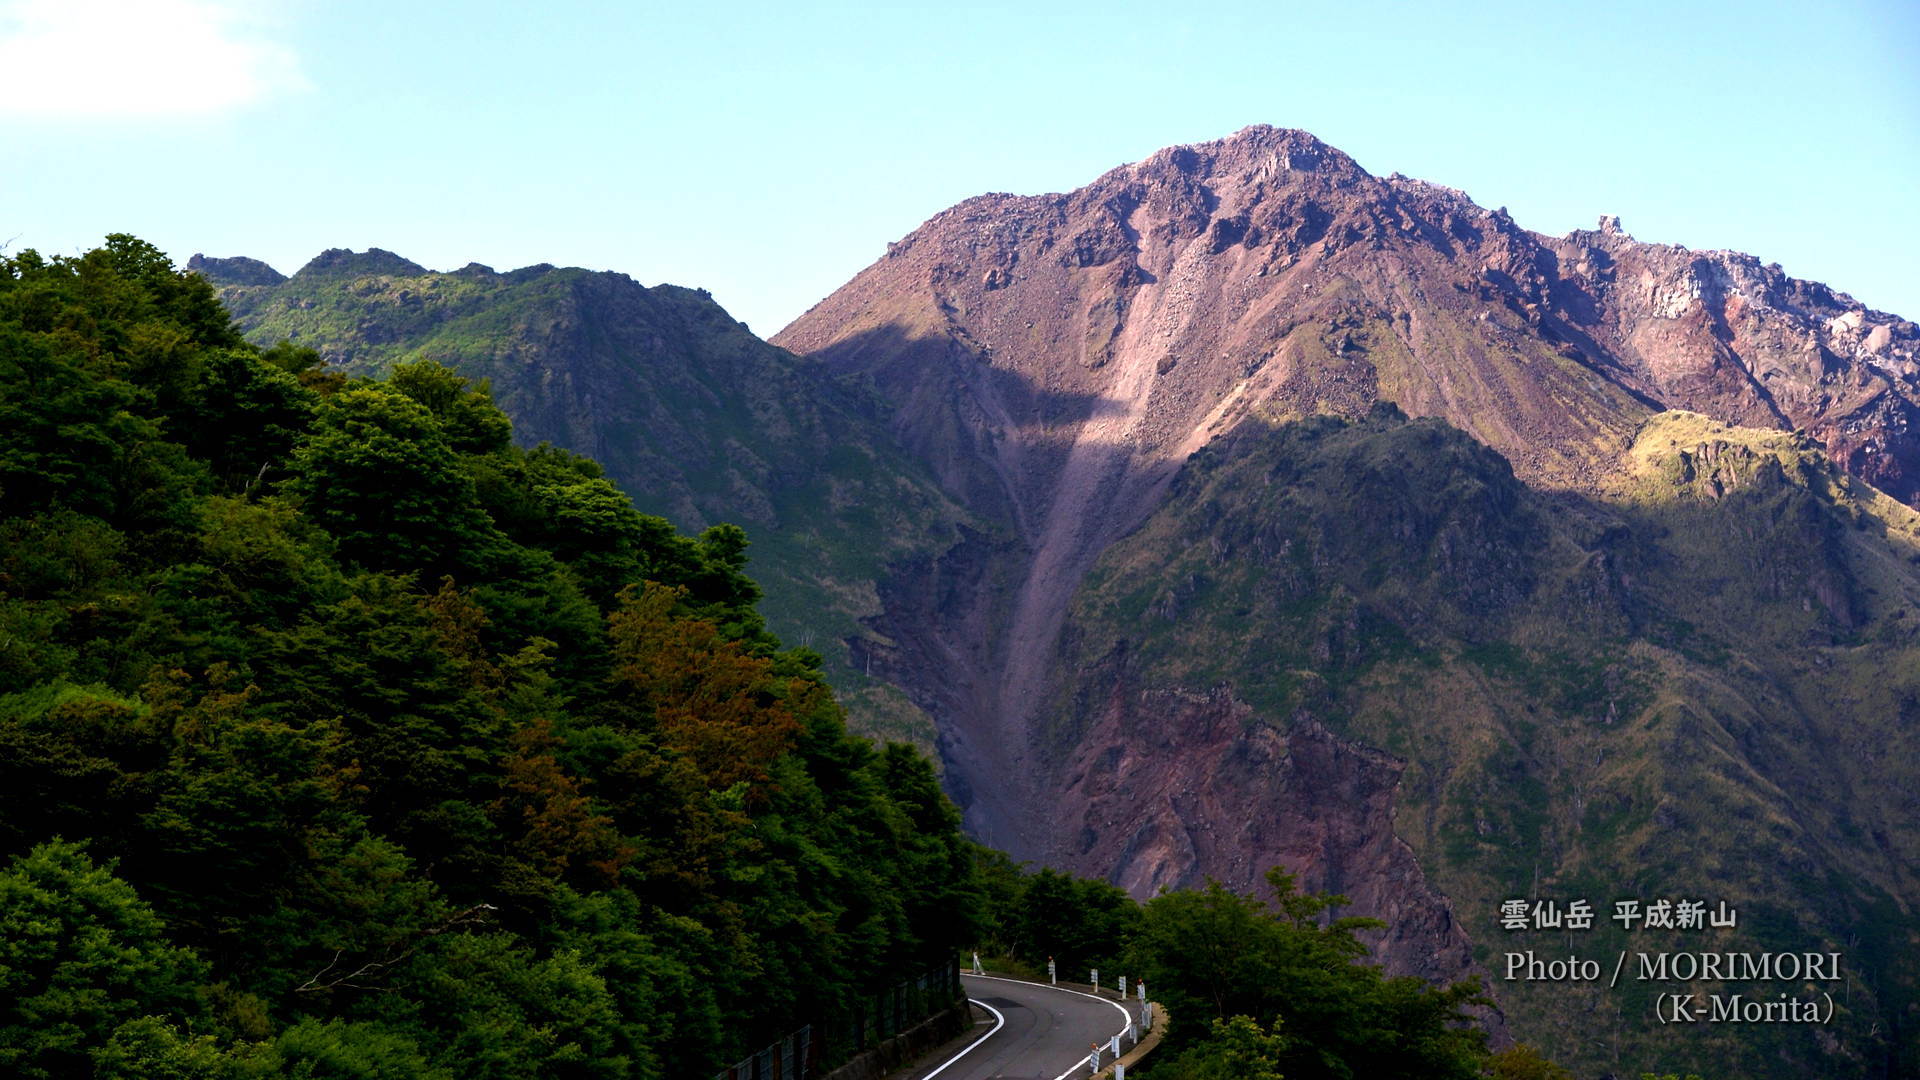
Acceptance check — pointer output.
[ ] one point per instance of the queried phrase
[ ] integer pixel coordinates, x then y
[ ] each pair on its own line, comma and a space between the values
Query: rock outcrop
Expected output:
1170, 787
238, 270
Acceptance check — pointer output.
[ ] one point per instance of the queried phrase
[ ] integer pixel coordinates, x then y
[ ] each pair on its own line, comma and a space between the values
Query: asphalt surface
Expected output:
1047, 1031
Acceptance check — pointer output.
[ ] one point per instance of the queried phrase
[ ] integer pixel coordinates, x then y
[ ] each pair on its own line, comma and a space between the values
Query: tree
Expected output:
244, 417
711, 699
1237, 1049
1523, 1062
447, 760
150, 1048
1213, 955
354, 1050
80, 953
472, 423
378, 474
1081, 923
70, 439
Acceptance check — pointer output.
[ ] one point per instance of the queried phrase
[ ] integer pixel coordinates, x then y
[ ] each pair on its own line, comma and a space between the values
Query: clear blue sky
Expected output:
769, 151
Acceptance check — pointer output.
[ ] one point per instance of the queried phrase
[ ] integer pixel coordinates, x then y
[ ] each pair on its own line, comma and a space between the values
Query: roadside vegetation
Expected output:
1256, 987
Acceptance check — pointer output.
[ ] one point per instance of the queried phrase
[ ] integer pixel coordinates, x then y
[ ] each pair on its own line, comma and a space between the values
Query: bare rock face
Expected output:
1054, 358
1169, 788
1718, 333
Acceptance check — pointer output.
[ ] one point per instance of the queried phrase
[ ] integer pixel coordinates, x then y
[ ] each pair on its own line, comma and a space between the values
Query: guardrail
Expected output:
1146, 1034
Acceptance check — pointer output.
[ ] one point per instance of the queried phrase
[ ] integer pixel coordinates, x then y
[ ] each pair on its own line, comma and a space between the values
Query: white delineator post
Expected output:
1051, 980
977, 969
1096, 982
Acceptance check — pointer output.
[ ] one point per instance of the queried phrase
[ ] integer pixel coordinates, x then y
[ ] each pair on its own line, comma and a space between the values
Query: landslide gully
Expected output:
1055, 358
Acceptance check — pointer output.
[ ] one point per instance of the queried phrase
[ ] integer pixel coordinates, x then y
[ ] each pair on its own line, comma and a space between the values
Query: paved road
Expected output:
1045, 1033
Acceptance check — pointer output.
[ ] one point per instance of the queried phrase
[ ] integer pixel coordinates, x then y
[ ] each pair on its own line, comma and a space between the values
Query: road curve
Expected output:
1046, 1032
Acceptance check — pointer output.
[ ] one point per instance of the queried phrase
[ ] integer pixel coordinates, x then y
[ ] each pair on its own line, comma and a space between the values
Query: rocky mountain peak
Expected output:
238, 270
1055, 358
342, 262
1255, 153
1268, 270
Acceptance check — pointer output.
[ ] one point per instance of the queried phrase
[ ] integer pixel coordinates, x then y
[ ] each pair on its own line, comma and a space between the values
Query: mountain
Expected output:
1626, 608
688, 412
1054, 358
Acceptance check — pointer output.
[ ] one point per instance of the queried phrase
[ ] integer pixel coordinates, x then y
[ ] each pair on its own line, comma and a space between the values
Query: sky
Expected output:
769, 151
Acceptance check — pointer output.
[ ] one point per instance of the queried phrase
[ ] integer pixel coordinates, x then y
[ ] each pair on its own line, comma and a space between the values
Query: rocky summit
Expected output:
1268, 274
1348, 525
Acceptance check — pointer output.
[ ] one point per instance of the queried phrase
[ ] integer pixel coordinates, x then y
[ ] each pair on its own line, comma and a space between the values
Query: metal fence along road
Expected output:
811, 1051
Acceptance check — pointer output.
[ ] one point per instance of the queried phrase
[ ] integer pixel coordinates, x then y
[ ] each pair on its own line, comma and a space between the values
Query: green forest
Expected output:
340, 737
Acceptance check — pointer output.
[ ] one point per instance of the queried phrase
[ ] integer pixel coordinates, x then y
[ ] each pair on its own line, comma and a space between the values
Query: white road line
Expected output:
1126, 1018
998, 1022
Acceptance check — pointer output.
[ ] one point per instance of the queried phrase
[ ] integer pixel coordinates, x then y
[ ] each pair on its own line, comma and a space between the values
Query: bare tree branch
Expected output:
366, 975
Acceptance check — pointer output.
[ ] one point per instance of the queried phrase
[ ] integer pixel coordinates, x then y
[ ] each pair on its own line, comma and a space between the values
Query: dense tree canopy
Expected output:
1029, 917
340, 737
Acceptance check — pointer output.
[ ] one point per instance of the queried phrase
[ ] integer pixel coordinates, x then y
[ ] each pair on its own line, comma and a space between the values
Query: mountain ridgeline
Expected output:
1243, 508
685, 409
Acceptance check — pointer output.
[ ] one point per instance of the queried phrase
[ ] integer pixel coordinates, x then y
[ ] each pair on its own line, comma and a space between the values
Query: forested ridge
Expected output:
340, 737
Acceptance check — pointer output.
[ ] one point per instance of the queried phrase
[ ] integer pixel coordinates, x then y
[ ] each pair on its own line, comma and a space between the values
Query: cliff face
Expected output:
1699, 681
1053, 358
1167, 783
1218, 633
1718, 333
